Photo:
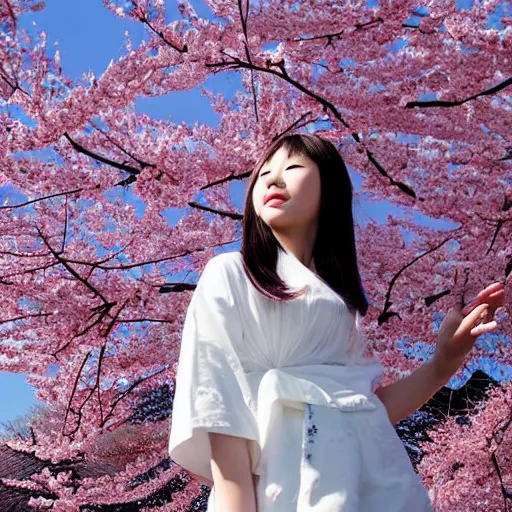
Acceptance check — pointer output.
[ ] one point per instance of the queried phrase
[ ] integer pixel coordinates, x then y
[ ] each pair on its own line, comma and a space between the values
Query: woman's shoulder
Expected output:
227, 265
226, 257
227, 260
222, 278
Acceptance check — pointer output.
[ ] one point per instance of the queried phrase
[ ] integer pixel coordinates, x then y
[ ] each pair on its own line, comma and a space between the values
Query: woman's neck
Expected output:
301, 249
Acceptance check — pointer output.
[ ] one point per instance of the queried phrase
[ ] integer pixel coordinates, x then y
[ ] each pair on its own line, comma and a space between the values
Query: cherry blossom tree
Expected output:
468, 466
416, 96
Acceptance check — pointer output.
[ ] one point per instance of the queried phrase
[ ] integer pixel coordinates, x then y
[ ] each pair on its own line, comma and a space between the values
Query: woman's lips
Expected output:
275, 202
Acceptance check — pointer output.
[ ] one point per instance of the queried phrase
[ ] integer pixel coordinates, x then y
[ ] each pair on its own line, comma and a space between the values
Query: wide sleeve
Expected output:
211, 392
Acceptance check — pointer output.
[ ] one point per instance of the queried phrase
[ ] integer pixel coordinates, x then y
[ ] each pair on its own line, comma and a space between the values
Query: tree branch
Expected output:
456, 103
386, 314
231, 215
26, 203
159, 33
35, 315
226, 179
73, 390
247, 53
337, 35
176, 287
65, 264
123, 167
236, 63
127, 392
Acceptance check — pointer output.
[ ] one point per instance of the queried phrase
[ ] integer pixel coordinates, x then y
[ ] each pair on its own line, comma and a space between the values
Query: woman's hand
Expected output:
460, 328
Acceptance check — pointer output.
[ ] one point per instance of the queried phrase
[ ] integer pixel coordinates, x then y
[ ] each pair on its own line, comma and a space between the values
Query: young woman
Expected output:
274, 399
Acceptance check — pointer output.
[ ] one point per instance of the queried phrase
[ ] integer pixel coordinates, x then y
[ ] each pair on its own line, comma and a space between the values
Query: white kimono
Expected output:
290, 378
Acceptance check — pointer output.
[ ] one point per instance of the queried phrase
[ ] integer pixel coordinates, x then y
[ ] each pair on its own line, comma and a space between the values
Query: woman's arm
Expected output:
457, 334
407, 395
232, 476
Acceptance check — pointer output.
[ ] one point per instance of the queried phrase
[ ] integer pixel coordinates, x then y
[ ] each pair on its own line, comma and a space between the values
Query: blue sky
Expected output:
88, 37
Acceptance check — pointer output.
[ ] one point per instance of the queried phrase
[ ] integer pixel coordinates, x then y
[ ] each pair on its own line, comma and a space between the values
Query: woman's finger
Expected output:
474, 316
498, 297
489, 289
483, 328
493, 292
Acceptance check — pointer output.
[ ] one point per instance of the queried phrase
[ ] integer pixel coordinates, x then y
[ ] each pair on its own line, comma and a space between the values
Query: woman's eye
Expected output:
289, 167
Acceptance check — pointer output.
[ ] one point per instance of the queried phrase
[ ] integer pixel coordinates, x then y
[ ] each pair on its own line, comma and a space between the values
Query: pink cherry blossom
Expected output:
418, 105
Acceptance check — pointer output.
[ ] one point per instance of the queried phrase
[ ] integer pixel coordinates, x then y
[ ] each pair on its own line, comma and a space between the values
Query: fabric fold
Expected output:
347, 388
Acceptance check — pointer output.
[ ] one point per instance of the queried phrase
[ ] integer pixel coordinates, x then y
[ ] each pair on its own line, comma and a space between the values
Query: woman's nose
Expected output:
275, 179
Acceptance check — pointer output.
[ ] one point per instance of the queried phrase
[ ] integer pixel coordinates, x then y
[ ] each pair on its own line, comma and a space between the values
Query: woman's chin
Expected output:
278, 222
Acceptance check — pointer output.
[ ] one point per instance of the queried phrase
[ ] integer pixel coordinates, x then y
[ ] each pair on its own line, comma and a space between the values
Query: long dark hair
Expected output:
334, 251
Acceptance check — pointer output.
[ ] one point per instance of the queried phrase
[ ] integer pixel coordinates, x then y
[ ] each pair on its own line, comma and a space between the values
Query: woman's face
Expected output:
297, 178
